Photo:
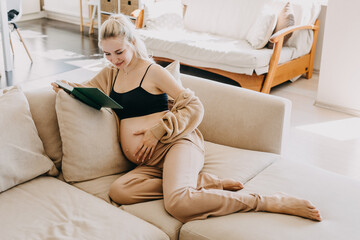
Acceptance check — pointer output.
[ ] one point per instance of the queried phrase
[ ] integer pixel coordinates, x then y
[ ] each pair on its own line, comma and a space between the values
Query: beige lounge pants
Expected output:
174, 174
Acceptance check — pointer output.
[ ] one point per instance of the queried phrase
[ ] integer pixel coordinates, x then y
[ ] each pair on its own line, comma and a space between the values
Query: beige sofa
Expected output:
75, 204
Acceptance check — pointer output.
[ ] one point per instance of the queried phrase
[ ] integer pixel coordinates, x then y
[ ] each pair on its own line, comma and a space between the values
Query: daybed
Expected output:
44, 134
231, 37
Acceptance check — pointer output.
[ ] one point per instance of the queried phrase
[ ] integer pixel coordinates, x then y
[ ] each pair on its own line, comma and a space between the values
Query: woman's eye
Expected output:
118, 53
107, 54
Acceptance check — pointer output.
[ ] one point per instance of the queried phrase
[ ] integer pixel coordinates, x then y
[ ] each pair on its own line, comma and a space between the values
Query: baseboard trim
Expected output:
32, 16
63, 17
337, 108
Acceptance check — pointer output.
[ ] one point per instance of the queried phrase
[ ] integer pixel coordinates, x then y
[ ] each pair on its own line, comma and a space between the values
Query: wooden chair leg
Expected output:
12, 48
81, 18
22, 41
92, 14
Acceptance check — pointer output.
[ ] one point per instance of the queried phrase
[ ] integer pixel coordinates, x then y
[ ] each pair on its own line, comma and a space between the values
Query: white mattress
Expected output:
212, 51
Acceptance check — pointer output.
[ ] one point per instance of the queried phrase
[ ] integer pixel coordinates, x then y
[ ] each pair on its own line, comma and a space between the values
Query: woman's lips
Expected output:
119, 64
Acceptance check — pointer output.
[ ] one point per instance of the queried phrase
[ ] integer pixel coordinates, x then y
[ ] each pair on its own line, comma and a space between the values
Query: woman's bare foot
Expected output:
282, 203
231, 184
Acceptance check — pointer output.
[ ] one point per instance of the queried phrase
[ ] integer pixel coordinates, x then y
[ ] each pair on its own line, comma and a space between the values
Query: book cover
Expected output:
93, 97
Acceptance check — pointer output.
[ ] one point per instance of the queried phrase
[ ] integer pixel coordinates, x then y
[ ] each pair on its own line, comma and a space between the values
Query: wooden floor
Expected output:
318, 136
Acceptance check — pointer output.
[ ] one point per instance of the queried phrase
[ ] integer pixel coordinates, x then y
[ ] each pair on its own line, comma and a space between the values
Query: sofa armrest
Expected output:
278, 40
241, 118
282, 33
139, 15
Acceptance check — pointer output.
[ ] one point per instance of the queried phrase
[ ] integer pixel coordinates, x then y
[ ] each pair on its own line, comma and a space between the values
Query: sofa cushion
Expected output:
163, 15
90, 143
260, 32
228, 18
99, 187
239, 164
47, 208
155, 213
22, 153
42, 107
285, 19
337, 198
305, 12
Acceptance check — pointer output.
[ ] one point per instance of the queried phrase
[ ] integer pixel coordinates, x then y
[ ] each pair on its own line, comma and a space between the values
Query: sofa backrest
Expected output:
234, 117
230, 18
234, 18
239, 117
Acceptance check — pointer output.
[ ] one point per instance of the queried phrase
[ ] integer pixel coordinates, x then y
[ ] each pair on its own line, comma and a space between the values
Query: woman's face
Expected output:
117, 52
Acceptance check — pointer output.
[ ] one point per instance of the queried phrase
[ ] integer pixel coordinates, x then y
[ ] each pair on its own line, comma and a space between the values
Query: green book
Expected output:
93, 97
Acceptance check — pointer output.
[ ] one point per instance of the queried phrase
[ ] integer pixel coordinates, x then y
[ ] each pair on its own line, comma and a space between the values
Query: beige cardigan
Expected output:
180, 122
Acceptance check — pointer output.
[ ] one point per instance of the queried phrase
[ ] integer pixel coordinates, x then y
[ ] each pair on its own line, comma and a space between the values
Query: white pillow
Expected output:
260, 32
174, 69
22, 153
163, 15
91, 148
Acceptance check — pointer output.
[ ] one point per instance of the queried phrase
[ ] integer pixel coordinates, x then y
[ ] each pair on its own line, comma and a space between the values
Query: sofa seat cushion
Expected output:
47, 208
155, 213
211, 51
152, 211
99, 187
329, 192
239, 164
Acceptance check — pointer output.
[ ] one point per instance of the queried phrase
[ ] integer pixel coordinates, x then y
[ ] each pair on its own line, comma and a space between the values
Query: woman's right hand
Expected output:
56, 87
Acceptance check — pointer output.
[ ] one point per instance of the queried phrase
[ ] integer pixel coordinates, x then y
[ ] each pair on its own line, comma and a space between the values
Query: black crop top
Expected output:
138, 102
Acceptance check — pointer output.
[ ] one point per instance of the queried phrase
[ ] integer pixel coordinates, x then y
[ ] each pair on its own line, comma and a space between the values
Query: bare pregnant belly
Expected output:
129, 141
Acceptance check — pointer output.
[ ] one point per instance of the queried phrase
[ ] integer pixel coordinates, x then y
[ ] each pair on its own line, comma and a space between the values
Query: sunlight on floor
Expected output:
341, 130
32, 34
58, 54
90, 64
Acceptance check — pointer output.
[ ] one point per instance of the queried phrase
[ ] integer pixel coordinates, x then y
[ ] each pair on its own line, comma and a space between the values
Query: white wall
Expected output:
339, 79
319, 44
67, 7
30, 6
66, 10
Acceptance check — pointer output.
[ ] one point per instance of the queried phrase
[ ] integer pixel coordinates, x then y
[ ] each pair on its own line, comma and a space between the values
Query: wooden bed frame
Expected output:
277, 73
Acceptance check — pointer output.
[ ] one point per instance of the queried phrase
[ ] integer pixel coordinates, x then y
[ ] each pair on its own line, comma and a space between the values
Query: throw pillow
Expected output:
163, 15
285, 18
90, 142
42, 108
22, 153
262, 29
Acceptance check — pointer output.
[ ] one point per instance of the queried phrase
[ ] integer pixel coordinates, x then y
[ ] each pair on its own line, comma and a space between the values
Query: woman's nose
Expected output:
113, 59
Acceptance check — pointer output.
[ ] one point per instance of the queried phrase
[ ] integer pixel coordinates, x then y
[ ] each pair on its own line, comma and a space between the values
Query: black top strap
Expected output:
115, 79
145, 74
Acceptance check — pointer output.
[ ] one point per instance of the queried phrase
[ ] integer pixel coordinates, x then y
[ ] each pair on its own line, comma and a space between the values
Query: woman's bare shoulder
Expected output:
159, 71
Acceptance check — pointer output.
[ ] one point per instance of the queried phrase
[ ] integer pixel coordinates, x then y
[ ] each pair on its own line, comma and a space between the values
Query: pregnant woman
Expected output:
165, 144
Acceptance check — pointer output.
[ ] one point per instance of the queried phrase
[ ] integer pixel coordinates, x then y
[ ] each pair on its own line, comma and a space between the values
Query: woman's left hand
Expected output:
147, 145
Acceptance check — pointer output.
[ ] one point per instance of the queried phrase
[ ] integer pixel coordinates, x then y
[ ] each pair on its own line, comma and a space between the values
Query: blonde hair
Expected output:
120, 26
